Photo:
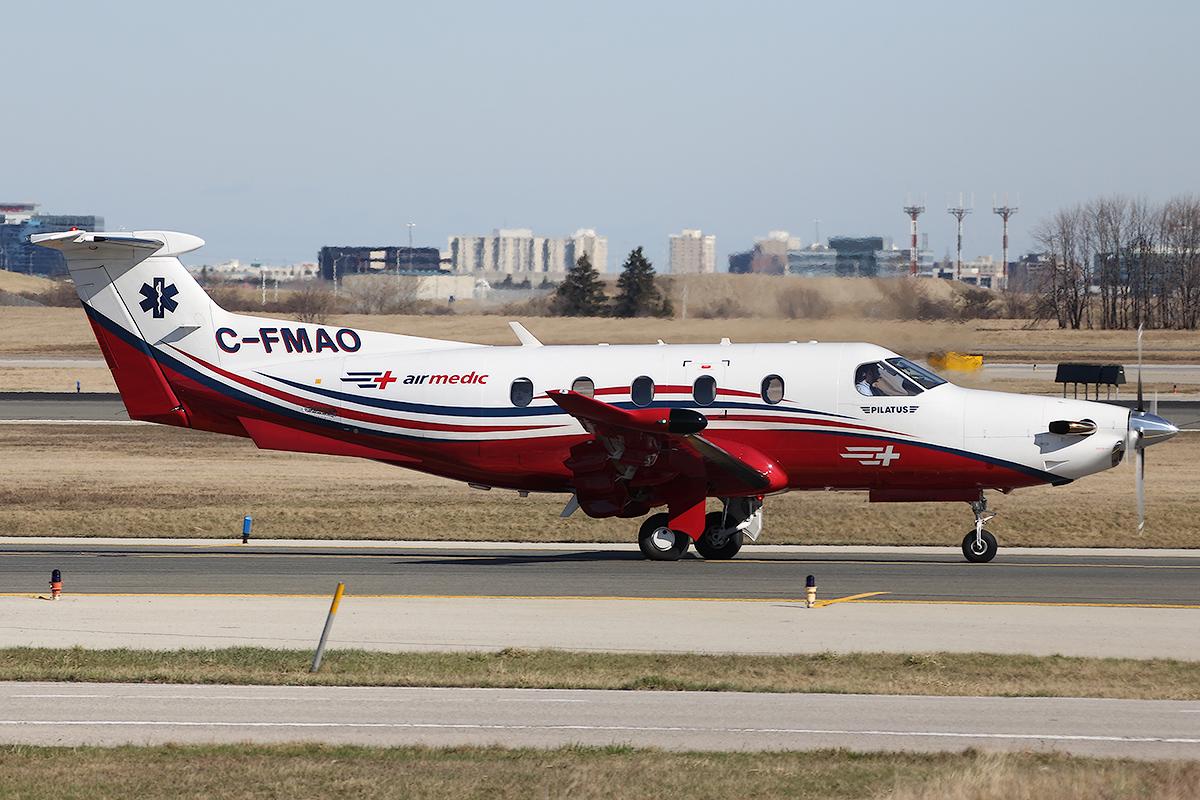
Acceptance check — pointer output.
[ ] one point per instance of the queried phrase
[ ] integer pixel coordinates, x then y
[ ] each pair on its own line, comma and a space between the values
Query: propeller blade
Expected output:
1139, 477
1145, 430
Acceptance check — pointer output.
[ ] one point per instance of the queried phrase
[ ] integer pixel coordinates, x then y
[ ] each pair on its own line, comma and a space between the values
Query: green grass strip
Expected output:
969, 674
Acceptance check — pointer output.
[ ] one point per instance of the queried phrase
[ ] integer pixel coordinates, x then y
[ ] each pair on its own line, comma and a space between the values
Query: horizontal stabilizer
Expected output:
160, 243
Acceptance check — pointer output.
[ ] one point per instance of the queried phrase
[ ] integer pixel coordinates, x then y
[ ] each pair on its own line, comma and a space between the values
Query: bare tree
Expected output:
1179, 235
1140, 261
1106, 220
1062, 238
383, 294
312, 304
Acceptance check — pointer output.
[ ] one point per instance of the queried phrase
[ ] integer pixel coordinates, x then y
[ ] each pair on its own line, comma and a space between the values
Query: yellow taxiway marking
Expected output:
851, 598
1031, 603
858, 599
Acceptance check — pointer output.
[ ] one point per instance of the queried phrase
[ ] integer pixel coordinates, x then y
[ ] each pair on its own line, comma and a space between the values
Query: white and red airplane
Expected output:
623, 429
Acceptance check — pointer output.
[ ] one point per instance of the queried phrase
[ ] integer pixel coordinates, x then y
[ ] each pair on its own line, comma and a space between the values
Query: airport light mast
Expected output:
913, 212
959, 212
1005, 211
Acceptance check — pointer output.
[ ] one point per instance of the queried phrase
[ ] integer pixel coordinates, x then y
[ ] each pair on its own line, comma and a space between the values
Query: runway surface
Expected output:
73, 715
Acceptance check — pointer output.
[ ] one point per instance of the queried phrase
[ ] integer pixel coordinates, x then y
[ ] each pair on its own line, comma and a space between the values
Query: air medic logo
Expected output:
380, 380
369, 380
159, 298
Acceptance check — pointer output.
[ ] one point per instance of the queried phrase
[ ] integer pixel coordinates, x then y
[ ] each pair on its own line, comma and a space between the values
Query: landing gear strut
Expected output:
979, 546
718, 541
725, 531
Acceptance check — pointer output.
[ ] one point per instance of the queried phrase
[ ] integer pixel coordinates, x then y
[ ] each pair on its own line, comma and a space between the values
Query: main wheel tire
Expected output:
712, 545
979, 552
658, 542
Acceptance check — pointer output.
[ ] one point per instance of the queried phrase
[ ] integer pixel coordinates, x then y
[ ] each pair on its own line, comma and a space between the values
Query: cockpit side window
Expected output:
866, 378
895, 377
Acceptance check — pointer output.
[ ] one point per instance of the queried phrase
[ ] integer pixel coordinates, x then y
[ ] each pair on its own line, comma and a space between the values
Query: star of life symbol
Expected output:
159, 298
872, 456
369, 380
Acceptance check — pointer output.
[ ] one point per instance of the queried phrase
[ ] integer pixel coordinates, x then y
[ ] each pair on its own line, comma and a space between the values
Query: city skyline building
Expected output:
517, 252
692, 252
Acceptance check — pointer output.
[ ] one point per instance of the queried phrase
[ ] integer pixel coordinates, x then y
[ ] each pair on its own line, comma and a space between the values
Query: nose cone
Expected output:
1151, 428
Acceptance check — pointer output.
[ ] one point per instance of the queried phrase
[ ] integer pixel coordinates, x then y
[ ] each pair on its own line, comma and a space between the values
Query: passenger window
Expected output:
642, 391
584, 386
704, 390
521, 392
772, 389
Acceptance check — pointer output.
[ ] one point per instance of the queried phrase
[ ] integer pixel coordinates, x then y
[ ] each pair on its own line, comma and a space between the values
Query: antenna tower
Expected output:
913, 212
959, 212
1005, 211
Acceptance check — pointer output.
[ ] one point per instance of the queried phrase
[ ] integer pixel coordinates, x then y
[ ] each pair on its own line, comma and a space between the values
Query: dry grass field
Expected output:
304, 771
147, 480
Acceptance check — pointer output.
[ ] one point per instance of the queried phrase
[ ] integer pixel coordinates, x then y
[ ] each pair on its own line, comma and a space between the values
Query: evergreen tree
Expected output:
582, 293
638, 295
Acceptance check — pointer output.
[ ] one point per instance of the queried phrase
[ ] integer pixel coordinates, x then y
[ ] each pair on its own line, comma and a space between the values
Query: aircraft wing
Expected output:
645, 448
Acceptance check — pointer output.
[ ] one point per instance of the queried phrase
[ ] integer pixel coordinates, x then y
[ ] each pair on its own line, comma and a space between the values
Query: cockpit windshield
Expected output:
894, 377
922, 376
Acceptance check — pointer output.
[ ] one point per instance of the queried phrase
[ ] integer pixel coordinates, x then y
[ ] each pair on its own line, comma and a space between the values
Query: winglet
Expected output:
527, 338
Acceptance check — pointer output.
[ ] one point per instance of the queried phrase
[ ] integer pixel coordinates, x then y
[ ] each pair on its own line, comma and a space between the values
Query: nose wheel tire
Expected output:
659, 543
712, 544
981, 551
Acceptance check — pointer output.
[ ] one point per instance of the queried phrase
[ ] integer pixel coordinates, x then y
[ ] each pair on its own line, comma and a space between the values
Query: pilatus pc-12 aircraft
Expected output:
623, 430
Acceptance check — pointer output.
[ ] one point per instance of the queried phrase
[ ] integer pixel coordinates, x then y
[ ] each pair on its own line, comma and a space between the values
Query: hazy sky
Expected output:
271, 129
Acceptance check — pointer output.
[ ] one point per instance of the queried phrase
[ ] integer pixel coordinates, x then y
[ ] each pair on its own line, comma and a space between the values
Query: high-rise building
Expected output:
19, 221
519, 253
692, 252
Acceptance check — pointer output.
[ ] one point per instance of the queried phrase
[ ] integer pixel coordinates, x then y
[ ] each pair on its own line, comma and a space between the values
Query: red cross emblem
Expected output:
384, 379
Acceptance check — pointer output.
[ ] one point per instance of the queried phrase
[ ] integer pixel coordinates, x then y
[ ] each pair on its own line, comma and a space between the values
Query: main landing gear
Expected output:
722, 538
979, 546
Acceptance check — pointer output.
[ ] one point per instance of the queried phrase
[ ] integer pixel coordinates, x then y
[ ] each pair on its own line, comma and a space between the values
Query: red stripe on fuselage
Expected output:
360, 416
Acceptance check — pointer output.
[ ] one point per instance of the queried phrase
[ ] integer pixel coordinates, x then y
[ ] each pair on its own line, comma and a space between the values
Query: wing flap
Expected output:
633, 438
644, 420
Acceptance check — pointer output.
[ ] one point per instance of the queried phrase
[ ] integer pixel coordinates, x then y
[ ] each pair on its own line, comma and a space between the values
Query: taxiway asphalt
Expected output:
472, 596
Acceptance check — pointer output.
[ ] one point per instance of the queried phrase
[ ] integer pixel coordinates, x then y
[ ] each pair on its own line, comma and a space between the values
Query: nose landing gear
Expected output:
979, 546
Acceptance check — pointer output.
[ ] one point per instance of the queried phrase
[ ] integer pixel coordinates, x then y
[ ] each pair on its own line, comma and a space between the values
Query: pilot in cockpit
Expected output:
865, 378
894, 377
